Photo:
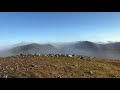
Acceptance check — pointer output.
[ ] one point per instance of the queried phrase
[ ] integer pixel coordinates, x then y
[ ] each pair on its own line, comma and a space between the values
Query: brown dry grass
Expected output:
53, 67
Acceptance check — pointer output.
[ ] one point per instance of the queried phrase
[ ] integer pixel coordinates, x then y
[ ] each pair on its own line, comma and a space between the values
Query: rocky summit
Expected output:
58, 66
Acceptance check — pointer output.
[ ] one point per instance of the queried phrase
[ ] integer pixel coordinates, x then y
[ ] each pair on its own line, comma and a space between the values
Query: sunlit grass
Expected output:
66, 67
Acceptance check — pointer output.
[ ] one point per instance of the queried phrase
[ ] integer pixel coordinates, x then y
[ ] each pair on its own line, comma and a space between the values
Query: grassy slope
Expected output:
52, 67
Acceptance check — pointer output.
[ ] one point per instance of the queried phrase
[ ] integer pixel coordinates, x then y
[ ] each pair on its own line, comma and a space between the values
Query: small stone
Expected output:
33, 65
84, 75
12, 69
5, 76
59, 77
81, 57
76, 65
6, 67
89, 72
17, 67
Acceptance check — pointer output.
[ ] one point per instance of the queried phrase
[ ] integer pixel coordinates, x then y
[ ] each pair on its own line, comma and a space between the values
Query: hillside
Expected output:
86, 48
33, 48
58, 66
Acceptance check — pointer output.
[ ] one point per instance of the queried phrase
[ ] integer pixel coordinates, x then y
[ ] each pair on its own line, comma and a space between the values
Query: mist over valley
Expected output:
106, 50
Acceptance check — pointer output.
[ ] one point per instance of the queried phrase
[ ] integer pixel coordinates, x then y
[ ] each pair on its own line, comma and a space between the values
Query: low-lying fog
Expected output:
86, 48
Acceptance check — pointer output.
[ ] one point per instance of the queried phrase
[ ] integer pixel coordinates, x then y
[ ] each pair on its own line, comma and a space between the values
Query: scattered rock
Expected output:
11, 69
89, 72
6, 67
17, 67
83, 75
70, 56
5, 76
59, 77
33, 65
76, 65
81, 57
3, 68
23, 67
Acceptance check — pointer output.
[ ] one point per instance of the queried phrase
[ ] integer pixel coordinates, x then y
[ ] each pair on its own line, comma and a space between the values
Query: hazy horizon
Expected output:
54, 27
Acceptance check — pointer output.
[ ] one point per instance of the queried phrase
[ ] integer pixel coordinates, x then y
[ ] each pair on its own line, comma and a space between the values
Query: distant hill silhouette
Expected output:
86, 48
34, 48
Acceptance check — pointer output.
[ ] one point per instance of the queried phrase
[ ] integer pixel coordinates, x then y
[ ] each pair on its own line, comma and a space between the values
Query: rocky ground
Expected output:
58, 67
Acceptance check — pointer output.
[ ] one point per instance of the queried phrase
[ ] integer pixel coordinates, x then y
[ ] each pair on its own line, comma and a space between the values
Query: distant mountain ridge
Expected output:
87, 48
33, 48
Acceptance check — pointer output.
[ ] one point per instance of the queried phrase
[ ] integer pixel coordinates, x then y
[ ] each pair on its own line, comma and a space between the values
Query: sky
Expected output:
44, 27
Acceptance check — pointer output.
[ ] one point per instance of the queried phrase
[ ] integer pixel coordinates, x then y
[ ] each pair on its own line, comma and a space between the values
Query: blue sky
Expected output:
46, 27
